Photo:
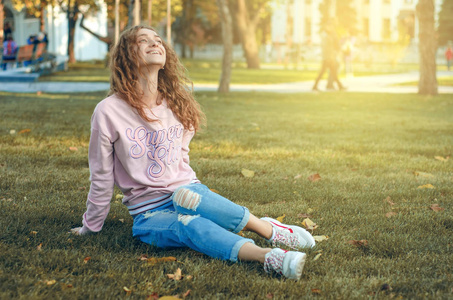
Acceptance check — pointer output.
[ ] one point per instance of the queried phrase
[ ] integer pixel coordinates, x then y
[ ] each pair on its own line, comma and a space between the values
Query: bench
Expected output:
28, 55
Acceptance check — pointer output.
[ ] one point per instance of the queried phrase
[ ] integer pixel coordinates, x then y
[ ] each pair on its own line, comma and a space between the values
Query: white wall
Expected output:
87, 47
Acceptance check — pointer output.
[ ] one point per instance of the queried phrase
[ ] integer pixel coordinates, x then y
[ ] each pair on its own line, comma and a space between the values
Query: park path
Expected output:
387, 83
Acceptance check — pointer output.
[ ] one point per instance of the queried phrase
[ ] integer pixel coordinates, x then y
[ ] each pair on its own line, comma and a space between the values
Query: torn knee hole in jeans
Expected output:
187, 199
185, 219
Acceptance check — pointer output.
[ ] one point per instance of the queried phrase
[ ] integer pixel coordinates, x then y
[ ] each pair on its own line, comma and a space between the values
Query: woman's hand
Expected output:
76, 231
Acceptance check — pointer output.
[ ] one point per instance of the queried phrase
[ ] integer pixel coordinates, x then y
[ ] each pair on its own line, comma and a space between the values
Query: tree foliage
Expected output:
445, 29
341, 13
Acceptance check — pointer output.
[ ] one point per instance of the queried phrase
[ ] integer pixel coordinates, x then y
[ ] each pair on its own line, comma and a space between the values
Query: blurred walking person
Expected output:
330, 49
449, 56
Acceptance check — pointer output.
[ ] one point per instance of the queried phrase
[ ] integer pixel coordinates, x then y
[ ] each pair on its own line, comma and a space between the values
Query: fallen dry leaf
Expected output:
73, 149
39, 248
143, 257
33, 232
426, 186
358, 243
280, 219
297, 176
12, 132
127, 290
153, 296
316, 291
444, 159
320, 238
435, 207
309, 224
248, 173
86, 259
317, 256
390, 214
314, 177
155, 260
389, 201
186, 293
176, 276
269, 296
215, 191
25, 131
51, 282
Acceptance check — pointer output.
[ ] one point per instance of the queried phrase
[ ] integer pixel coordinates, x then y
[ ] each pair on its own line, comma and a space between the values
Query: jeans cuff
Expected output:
237, 246
244, 220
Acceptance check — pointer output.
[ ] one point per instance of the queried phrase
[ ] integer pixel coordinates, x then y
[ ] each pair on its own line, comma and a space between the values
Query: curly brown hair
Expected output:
172, 83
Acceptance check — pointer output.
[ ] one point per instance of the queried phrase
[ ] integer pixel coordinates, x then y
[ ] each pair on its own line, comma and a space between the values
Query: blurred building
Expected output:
86, 46
378, 21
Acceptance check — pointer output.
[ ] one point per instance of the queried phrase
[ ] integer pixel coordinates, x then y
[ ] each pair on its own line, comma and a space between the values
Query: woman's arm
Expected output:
101, 162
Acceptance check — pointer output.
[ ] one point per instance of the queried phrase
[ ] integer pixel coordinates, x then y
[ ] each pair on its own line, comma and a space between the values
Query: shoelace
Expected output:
287, 239
274, 262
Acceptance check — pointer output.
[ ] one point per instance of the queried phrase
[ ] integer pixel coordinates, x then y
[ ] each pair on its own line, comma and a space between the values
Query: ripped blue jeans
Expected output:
197, 218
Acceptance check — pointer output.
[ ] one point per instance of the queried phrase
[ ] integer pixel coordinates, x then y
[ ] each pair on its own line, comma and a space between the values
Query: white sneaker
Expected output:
292, 236
287, 263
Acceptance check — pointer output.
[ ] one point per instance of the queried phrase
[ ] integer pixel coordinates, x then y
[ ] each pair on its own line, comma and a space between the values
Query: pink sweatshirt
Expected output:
146, 160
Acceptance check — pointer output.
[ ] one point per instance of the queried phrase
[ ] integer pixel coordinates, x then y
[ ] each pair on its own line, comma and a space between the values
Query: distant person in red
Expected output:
449, 57
9, 50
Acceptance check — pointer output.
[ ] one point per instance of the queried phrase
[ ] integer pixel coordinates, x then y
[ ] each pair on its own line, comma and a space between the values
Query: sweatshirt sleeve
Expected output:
187, 137
100, 156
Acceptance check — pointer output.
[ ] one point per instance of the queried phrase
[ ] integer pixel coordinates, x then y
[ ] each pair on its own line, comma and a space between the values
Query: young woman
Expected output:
140, 138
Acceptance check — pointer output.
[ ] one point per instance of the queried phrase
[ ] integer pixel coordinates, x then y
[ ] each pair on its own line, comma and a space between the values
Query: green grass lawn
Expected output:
373, 152
441, 81
205, 71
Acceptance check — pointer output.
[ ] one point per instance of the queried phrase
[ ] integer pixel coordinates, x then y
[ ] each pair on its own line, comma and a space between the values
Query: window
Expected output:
366, 27
386, 29
307, 27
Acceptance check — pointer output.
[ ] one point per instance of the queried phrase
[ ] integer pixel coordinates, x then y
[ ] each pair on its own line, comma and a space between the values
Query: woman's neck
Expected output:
149, 88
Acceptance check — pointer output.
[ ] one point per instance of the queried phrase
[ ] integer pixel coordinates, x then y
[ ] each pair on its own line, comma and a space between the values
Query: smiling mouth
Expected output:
155, 52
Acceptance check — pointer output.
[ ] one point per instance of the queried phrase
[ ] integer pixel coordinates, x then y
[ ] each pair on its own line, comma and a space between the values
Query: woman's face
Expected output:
151, 48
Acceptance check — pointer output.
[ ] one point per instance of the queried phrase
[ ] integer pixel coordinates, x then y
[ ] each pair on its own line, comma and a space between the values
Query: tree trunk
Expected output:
72, 15
427, 84
137, 8
247, 28
130, 13
42, 24
289, 31
106, 39
150, 12
227, 36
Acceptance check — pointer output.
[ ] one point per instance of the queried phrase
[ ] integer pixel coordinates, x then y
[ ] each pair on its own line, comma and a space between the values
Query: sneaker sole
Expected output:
302, 232
298, 266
